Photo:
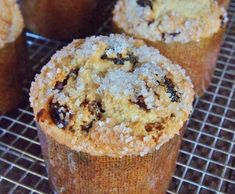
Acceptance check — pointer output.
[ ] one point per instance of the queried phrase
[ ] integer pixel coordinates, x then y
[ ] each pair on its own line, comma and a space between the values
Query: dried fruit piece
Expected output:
60, 84
153, 126
140, 102
163, 36
74, 73
151, 22
170, 88
133, 59
59, 114
174, 34
87, 127
40, 114
95, 108
145, 3
223, 21
119, 60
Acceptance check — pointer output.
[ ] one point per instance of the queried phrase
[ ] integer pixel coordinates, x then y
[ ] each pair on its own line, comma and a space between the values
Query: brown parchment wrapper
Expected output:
75, 172
197, 58
63, 19
12, 70
224, 3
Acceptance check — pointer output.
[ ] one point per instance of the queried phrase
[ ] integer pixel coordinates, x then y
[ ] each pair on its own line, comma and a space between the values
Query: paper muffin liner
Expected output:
75, 172
12, 69
224, 3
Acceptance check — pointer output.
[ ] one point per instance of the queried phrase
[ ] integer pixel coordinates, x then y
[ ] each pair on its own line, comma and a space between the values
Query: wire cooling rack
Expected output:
206, 163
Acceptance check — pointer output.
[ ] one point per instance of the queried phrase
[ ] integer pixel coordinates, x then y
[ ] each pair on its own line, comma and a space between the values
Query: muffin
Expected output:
63, 20
189, 32
110, 113
12, 53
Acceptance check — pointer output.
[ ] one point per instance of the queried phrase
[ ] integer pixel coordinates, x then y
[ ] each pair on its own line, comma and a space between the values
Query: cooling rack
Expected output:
206, 162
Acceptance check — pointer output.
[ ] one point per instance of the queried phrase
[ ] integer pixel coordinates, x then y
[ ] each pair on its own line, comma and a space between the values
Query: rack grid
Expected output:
206, 162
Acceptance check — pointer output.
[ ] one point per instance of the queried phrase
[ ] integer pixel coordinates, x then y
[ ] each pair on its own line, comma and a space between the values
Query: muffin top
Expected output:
111, 96
170, 20
11, 21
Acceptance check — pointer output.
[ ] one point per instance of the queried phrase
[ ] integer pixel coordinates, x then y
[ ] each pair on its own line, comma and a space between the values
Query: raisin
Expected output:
222, 21
95, 108
71, 129
150, 22
151, 126
119, 60
59, 114
60, 84
170, 88
145, 3
87, 127
174, 34
156, 138
40, 114
147, 87
74, 73
140, 102
133, 59
163, 35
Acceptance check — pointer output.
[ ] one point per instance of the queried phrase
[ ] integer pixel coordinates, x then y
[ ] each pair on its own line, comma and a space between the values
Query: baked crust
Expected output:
80, 173
11, 21
125, 126
170, 20
12, 67
61, 19
197, 58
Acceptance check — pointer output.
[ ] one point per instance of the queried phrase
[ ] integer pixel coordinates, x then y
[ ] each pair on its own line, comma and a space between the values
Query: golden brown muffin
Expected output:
12, 55
62, 19
189, 32
110, 112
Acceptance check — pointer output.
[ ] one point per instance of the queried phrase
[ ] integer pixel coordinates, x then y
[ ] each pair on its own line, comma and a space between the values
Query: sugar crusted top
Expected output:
111, 96
11, 21
170, 20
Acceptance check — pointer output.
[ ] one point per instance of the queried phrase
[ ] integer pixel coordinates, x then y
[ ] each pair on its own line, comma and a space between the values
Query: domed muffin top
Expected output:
170, 20
11, 21
111, 96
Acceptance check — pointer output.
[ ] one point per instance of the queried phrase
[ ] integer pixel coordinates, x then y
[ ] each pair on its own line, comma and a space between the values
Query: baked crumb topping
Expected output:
11, 21
114, 95
170, 20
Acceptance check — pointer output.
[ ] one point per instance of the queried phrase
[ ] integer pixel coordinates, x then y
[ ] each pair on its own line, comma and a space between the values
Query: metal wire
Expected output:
206, 163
